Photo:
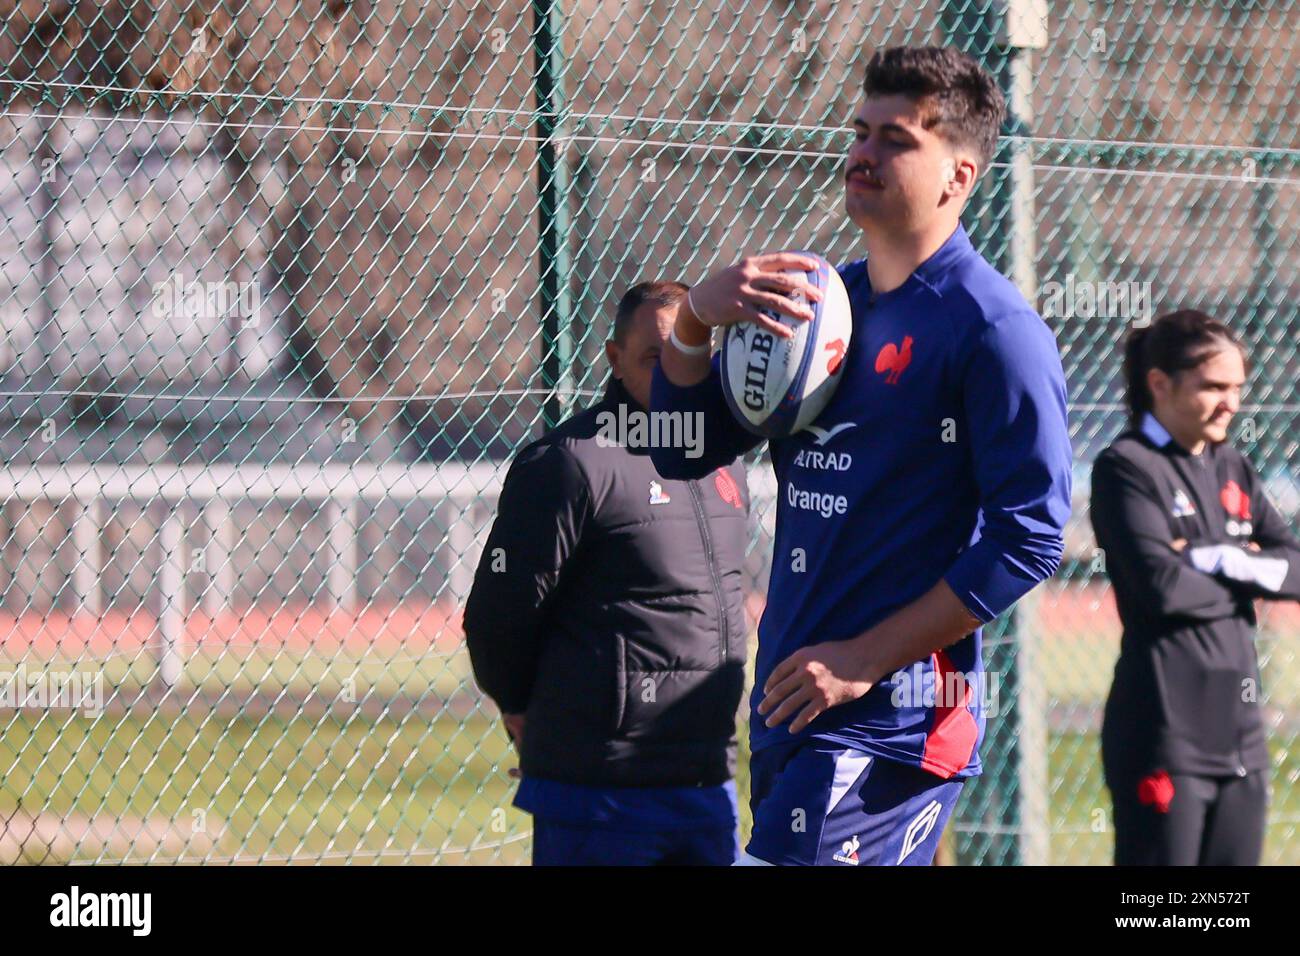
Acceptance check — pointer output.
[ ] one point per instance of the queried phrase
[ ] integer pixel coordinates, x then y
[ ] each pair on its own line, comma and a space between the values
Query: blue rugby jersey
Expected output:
944, 454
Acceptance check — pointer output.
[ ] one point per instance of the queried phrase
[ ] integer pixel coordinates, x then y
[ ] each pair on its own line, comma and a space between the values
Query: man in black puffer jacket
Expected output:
607, 622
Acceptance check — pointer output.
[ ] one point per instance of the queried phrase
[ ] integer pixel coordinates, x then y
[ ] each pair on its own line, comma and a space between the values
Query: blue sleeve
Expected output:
724, 438
1015, 412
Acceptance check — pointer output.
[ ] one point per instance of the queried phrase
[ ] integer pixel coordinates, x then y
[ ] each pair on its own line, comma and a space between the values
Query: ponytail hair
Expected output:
1174, 342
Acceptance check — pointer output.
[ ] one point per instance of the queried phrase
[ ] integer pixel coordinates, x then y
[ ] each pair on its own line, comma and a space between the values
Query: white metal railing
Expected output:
463, 497
215, 489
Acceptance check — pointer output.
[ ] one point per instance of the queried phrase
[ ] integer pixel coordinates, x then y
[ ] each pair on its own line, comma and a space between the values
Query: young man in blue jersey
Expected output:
950, 474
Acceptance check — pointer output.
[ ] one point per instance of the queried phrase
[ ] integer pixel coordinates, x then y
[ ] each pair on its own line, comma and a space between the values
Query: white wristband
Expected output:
701, 349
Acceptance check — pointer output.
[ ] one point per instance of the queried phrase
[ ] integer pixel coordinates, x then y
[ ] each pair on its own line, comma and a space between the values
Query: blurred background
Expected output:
284, 284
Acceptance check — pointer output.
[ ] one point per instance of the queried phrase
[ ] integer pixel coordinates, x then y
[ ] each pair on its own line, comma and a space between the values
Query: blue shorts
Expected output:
574, 844
817, 803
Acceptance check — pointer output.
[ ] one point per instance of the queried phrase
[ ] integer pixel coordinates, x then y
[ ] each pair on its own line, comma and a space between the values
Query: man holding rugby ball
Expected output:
951, 458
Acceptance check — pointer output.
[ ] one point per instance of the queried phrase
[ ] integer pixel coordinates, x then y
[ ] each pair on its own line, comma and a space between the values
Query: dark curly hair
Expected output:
962, 101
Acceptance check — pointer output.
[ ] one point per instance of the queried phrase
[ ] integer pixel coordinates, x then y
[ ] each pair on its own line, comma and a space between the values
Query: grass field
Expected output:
364, 791
417, 772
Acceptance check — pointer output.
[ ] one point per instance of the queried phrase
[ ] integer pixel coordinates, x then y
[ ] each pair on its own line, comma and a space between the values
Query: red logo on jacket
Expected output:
1156, 790
893, 359
727, 488
1235, 501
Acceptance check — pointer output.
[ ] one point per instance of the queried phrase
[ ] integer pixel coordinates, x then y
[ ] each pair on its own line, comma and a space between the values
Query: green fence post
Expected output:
552, 212
1003, 820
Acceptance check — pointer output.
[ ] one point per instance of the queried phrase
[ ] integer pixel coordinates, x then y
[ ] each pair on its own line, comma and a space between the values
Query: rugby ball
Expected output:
775, 386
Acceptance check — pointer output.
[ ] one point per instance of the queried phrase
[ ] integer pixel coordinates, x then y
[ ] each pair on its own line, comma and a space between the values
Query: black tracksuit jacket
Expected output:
608, 607
1186, 693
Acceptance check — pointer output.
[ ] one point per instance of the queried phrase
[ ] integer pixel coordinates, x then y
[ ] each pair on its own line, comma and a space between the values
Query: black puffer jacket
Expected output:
608, 606
1186, 692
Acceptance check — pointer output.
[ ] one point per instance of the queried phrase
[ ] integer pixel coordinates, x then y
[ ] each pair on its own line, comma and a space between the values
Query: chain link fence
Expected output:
284, 284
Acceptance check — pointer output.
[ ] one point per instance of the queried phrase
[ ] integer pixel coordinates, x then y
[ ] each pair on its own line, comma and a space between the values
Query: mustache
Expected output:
863, 171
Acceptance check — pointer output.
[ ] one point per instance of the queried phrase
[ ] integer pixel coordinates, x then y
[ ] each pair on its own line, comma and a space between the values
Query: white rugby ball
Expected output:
776, 386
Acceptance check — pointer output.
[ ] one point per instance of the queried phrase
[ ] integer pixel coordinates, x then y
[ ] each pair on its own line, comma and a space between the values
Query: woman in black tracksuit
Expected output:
1190, 540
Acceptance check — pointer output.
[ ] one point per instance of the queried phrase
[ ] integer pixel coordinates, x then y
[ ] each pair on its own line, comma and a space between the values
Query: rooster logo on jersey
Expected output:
894, 360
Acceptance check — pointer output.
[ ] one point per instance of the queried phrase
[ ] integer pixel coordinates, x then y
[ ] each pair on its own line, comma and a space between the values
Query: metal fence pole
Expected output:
171, 593
88, 561
218, 567
1024, 29
1004, 821
552, 211
344, 526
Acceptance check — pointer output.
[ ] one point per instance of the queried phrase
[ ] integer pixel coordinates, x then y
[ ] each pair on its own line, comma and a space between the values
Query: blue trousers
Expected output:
567, 844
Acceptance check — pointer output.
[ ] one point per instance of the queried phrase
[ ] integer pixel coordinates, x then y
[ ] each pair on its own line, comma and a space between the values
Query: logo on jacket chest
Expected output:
728, 490
1183, 507
1237, 504
657, 494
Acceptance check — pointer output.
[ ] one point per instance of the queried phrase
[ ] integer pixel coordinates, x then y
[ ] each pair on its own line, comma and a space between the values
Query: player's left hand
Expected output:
812, 680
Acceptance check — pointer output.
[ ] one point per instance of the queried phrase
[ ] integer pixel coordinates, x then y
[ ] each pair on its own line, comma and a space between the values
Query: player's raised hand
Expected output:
811, 681
739, 292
